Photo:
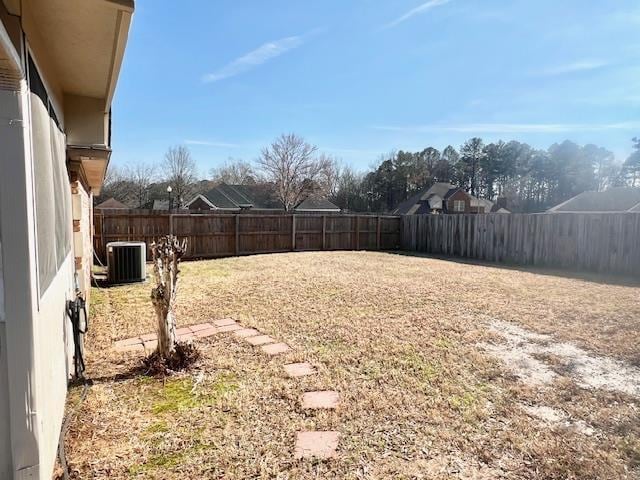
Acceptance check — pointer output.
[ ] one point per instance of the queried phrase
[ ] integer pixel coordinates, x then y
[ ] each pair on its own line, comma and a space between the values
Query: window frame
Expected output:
457, 204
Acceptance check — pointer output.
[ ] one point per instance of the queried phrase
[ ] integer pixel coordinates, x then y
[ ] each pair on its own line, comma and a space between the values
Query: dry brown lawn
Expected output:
398, 337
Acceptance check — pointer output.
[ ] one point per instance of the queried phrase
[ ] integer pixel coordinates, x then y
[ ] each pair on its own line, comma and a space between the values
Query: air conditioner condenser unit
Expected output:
126, 262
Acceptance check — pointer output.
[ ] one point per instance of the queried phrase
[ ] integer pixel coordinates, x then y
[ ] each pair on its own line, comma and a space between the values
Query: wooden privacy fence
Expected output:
211, 235
599, 242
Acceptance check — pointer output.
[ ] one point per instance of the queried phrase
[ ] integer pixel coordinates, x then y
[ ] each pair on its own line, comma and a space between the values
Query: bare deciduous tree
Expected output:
291, 165
141, 177
180, 171
234, 172
166, 253
329, 175
116, 185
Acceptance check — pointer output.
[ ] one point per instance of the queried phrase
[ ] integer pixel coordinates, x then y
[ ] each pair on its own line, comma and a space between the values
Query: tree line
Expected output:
531, 179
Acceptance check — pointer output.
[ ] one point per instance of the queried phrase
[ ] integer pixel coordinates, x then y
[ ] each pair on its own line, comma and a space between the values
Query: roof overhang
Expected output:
94, 161
85, 42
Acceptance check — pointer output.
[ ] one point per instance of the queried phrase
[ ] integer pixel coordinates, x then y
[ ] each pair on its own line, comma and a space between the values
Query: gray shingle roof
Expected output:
441, 189
317, 203
111, 203
258, 197
618, 199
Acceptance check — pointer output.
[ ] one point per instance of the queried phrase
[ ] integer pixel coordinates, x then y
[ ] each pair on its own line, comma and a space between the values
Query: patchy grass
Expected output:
397, 336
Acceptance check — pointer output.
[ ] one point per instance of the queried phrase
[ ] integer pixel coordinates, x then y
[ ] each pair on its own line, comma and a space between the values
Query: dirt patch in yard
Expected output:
397, 337
521, 349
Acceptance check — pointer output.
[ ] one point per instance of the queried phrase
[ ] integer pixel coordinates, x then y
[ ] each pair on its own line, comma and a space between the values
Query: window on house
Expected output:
458, 205
52, 195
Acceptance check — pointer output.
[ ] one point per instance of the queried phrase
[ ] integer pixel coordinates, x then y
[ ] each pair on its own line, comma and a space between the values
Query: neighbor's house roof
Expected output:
256, 197
236, 197
316, 204
426, 200
617, 199
111, 203
432, 198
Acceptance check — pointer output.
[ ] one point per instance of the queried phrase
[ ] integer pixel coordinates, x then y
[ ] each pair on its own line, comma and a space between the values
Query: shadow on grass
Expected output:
136, 371
601, 278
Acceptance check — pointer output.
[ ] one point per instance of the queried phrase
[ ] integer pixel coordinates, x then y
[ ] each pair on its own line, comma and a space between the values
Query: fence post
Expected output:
357, 232
324, 232
237, 235
378, 233
170, 224
293, 232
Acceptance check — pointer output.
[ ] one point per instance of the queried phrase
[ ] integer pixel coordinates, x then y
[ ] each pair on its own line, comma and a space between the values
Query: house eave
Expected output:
85, 40
94, 161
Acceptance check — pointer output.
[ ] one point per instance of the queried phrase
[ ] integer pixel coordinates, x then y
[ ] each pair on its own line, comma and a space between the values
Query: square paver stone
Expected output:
295, 370
224, 322
246, 332
320, 445
130, 347
183, 331
229, 328
200, 326
275, 348
260, 340
207, 332
322, 399
128, 341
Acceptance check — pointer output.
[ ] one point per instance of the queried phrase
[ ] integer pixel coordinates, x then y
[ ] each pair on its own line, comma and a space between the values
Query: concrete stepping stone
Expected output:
295, 370
229, 328
246, 332
183, 331
328, 399
200, 326
208, 332
259, 340
224, 322
275, 348
129, 344
314, 444
148, 336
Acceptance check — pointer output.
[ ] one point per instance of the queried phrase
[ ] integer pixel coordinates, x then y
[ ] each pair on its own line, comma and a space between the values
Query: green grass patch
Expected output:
179, 394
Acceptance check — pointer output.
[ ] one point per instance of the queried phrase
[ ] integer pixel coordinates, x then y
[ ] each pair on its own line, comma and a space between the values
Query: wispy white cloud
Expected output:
511, 127
208, 143
255, 58
573, 67
425, 7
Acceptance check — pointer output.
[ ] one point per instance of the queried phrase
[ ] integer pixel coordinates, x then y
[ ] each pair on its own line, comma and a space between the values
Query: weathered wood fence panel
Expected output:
223, 235
598, 242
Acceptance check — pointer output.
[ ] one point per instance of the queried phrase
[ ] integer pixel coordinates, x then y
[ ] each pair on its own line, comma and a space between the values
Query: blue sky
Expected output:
360, 78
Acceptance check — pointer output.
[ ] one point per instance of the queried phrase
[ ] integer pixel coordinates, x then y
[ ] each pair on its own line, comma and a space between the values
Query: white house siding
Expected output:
52, 339
35, 335
53, 350
5, 448
5, 445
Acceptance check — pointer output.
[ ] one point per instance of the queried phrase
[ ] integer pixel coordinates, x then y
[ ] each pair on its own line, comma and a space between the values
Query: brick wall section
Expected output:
459, 195
82, 235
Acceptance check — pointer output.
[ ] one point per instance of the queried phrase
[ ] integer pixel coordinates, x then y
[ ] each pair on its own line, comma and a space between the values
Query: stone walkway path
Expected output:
309, 444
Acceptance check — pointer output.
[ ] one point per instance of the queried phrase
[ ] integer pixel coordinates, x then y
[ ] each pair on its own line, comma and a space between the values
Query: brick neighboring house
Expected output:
446, 198
225, 198
59, 64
